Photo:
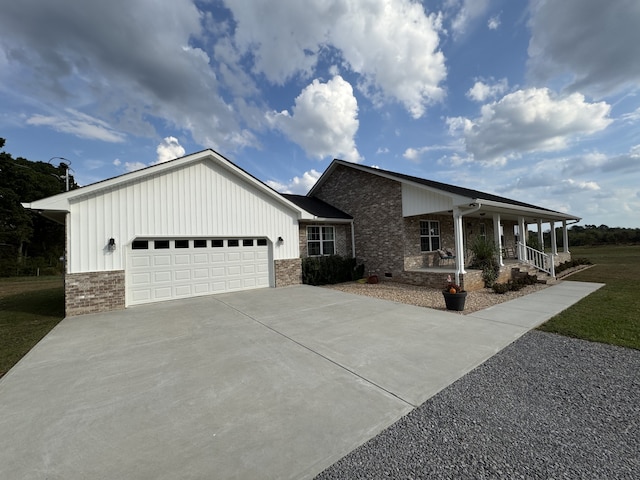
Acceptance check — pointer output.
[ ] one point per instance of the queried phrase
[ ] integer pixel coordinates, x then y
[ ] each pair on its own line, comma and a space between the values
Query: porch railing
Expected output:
537, 259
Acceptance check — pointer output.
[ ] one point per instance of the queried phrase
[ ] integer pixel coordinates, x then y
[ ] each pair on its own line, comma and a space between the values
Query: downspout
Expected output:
459, 237
353, 241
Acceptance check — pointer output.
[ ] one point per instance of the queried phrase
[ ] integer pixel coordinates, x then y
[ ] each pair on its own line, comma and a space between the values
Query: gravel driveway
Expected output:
547, 406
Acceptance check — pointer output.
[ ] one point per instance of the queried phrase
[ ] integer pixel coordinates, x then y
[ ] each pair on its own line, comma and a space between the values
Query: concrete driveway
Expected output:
272, 383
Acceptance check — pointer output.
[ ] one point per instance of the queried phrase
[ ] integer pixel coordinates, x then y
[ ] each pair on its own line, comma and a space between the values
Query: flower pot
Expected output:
372, 279
455, 301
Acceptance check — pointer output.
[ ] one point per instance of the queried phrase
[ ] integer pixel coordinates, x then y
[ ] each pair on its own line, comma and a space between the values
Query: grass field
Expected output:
29, 309
611, 314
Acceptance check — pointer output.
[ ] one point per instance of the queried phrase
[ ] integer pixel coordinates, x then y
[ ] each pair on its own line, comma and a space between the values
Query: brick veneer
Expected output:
376, 206
288, 272
93, 292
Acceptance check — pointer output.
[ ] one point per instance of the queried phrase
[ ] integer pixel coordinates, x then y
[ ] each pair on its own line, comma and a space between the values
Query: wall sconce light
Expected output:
280, 240
111, 245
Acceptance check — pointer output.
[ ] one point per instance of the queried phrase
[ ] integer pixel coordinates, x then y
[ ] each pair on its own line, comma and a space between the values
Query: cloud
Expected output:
481, 91
494, 22
467, 12
594, 42
60, 56
531, 120
324, 120
391, 44
414, 154
298, 185
169, 149
78, 124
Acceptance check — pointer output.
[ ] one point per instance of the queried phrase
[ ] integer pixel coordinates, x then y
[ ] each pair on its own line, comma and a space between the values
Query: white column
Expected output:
540, 235
522, 230
565, 236
554, 243
496, 237
459, 242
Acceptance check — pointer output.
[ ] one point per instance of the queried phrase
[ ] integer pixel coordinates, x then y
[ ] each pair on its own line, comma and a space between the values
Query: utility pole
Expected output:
67, 166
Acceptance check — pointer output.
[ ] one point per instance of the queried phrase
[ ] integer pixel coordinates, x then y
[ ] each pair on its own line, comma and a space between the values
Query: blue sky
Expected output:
534, 100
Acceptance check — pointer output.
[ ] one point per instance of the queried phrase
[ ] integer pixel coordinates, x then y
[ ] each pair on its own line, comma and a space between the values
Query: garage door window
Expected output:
182, 243
217, 243
160, 244
199, 244
140, 245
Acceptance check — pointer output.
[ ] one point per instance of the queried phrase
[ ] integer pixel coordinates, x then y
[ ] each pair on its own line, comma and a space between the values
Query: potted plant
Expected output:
454, 296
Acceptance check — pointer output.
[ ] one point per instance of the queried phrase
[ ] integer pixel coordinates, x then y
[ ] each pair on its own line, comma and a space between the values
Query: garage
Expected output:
166, 269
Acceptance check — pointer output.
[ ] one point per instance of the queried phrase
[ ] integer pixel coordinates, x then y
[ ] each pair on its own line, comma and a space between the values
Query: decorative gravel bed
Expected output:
429, 297
546, 406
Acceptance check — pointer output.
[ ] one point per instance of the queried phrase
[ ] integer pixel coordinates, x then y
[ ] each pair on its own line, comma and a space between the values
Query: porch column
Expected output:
540, 236
554, 243
565, 237
496, 237
522, 244
459, 243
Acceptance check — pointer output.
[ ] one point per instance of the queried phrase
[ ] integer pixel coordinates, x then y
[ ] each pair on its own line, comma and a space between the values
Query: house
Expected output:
400, 223
193, 226
200, 225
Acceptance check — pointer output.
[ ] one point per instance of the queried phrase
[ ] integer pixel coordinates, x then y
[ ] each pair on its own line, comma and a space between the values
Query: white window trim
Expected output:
322, 240
439, 237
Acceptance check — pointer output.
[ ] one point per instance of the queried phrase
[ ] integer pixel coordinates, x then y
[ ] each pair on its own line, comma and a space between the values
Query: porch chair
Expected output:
446, 256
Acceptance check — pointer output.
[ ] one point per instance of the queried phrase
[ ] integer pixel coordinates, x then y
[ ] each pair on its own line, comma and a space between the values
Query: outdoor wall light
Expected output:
111, 244
280, 240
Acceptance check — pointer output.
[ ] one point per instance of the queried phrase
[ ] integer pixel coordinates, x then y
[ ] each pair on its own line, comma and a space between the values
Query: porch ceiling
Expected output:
507, 213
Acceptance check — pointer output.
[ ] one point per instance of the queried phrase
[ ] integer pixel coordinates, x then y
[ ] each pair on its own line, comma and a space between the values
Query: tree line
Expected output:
29, 243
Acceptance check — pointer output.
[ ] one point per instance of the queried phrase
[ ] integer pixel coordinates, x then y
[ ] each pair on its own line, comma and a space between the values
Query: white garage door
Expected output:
160, 269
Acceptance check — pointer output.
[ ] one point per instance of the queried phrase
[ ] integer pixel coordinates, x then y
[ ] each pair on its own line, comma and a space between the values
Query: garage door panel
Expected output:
162, 274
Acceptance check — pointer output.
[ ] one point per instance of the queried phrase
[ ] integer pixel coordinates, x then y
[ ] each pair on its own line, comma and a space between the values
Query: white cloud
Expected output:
467, 12
324, 120
78, 124
298, 185
481, 92
391, 44
530, 120
169, 149
62, 56
494, 22
594, 42
132, 166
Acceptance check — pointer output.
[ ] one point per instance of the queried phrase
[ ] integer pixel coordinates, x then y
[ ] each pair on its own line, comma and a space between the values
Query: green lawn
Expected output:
29, 309
611, 314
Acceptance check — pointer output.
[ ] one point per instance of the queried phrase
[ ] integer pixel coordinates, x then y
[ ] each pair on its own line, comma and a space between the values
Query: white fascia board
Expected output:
536, 212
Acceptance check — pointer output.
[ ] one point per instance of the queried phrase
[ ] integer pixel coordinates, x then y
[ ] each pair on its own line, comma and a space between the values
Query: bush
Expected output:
330, 269
485, 255
572, 263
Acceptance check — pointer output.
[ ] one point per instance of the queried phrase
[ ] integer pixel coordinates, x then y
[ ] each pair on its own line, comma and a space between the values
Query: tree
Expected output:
23, 233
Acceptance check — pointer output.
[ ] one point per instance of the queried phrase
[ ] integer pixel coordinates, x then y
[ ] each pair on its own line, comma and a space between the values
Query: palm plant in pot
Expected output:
454, 295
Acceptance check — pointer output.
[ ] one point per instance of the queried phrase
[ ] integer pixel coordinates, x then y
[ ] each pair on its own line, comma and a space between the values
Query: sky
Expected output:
537, 101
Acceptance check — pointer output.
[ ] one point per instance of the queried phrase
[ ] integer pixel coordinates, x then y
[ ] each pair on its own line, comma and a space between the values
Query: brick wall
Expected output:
288, 272
376, 205
94, 292
414, 257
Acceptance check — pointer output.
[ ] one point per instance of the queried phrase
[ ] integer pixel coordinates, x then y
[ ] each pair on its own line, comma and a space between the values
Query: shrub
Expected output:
330, 269
485, 255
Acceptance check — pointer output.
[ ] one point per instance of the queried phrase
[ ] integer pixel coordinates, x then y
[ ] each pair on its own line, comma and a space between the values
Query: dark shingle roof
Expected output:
465, 192
317, 207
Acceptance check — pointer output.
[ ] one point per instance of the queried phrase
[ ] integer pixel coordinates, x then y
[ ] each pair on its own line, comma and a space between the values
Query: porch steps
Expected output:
522, 269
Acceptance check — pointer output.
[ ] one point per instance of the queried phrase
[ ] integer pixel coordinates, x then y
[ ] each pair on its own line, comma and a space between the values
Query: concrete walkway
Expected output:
272, 383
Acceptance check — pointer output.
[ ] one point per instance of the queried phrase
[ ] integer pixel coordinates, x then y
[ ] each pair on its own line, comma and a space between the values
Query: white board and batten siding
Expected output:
198, 200
420, 201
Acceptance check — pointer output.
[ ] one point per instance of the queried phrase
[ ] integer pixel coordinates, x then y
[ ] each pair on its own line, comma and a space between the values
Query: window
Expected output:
320, 241
217, 243
233, 243
182, 243
247, 242
158, 244
199, 244
262, 242
429, 235
140, 245
483, 231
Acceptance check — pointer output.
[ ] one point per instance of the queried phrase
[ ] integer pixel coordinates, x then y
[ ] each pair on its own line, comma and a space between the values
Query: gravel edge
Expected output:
546, 406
